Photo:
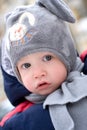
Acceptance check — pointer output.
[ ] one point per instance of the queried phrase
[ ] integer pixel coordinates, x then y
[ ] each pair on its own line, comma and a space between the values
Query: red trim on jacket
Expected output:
20, 108
82, 56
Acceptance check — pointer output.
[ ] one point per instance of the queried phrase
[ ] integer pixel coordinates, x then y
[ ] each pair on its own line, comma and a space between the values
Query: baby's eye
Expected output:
26, 65
47, 58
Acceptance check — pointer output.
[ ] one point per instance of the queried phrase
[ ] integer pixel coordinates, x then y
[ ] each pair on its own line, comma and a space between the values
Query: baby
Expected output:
43, 58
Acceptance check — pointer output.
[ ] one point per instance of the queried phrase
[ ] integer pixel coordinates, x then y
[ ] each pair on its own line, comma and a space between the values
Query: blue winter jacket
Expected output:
27, 116
85, 65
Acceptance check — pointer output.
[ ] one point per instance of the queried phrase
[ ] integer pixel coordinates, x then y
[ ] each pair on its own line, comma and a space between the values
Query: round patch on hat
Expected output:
17, 31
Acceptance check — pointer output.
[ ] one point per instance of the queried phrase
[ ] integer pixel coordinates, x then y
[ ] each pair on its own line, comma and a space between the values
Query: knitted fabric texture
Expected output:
40, 27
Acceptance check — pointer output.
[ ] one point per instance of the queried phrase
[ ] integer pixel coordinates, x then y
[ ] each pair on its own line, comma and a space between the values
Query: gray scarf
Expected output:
71, 91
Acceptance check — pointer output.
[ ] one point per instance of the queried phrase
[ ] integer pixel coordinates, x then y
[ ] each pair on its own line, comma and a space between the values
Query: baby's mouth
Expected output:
43, 85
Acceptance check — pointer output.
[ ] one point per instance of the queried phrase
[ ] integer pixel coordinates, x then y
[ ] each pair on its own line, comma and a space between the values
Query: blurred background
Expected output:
78, 30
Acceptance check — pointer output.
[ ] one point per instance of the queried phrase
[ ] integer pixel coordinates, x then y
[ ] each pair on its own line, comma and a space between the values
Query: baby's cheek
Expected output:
27, 83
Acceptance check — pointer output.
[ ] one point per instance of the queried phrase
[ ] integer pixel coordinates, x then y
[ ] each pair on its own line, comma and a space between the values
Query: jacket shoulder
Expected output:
30, 117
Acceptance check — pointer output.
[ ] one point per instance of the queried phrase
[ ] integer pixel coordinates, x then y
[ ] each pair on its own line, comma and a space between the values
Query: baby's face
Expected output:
42, 72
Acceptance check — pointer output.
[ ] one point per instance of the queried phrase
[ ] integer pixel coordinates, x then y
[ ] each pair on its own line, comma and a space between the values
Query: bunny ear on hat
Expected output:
59, 8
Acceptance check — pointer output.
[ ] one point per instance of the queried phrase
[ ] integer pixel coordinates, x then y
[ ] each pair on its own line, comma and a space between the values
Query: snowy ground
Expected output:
5, 107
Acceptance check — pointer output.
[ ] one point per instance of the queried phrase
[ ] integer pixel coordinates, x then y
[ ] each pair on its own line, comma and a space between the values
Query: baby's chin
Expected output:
46, 93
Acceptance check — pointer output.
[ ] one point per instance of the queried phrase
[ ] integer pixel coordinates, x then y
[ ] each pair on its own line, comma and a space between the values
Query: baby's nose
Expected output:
39, 73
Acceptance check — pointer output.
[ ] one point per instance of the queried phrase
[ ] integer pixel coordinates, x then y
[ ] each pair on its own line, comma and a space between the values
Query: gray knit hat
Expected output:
41, 27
